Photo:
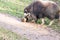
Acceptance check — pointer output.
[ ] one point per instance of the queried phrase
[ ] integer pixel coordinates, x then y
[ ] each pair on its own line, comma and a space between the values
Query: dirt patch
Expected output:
29, 30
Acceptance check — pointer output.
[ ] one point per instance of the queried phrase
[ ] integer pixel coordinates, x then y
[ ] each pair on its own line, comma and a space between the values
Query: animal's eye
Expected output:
25, 11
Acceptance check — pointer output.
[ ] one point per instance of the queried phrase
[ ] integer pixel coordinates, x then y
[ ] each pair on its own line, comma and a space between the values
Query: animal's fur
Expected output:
41, 9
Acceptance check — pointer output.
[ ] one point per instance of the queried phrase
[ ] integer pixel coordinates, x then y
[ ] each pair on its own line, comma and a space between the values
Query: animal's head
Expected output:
26, 11
28, 14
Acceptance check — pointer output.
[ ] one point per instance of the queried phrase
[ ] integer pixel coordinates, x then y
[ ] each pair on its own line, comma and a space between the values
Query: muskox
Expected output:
42, 9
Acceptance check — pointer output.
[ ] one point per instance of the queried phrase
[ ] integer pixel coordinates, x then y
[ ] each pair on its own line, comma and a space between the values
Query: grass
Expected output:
14, 8
47, 21
56, 26
8, 35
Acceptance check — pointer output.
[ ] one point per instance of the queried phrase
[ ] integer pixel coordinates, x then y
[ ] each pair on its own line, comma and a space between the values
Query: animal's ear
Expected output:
25, 10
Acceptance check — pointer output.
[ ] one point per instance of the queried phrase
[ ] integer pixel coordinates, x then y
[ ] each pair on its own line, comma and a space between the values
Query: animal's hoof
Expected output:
42, 23
49, 25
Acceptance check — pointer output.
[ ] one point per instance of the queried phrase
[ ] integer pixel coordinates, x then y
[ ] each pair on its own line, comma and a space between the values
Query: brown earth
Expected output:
31, 31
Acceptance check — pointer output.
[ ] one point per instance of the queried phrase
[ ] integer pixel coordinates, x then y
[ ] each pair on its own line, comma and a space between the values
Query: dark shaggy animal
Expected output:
41, 9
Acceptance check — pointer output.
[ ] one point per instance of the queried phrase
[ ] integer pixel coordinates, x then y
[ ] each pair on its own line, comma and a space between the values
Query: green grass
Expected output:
14, 8
8, 35
47, 21
56, 26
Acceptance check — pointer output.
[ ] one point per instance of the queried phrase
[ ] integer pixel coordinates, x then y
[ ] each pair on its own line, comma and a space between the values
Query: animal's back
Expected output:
52, 11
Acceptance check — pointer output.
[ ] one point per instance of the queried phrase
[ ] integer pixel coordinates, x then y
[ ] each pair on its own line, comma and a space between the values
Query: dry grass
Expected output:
8, 35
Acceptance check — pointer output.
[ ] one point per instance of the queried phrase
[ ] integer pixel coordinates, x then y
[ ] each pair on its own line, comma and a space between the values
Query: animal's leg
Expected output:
51, 23
33, 21
42, 21
23, 19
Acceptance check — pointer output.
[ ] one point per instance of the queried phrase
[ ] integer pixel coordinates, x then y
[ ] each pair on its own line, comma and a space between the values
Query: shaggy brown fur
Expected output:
41, 9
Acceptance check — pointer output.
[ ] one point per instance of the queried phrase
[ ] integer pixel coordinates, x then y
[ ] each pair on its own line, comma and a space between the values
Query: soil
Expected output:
31, 31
